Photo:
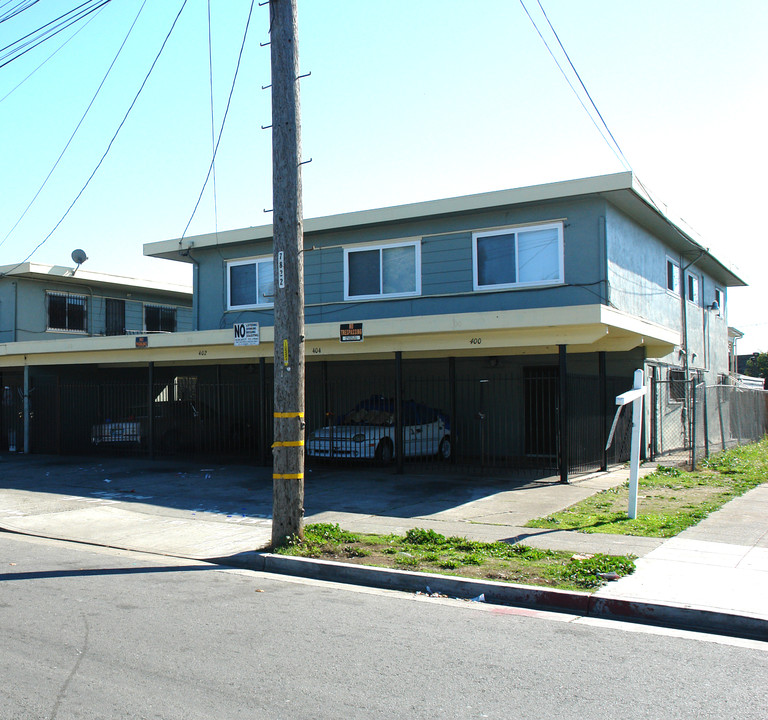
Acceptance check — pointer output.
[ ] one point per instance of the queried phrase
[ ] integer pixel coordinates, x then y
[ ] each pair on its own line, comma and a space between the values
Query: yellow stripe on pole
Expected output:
296, 476
288, 443
288, 414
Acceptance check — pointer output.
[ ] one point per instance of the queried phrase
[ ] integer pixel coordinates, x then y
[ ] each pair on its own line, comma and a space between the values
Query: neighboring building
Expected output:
44, 302
519, 314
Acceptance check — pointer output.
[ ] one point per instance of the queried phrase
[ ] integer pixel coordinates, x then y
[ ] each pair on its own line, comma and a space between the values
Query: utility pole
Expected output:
288, 448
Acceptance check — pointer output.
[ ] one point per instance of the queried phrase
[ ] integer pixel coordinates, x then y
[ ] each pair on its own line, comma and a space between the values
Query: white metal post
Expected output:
634, 453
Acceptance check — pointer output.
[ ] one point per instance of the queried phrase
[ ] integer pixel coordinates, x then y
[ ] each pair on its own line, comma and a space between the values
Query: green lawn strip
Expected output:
428, 551
669, 499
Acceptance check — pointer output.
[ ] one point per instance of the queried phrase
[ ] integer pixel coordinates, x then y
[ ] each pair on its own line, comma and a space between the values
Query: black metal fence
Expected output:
462, 417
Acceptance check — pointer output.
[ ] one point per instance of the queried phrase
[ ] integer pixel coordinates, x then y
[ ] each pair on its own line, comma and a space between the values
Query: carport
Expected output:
511, 402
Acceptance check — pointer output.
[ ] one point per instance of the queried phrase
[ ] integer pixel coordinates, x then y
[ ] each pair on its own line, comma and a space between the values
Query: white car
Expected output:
368, 433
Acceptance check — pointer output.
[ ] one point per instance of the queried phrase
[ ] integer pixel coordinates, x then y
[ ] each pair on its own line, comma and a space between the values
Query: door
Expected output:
541, 392
115, 317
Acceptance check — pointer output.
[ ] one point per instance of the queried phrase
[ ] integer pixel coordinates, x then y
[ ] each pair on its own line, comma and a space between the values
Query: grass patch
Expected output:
429, 551
669, 499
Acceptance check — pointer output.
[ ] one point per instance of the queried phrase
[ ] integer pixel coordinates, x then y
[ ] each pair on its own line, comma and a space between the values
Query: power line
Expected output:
613, 144
213, 130
111, 142
20, 8
72, 136
65, 43
18, 48
616, 151
223, 121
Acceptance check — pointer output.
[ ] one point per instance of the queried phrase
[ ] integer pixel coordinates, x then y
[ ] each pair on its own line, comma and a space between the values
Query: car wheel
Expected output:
384, 452
445, 449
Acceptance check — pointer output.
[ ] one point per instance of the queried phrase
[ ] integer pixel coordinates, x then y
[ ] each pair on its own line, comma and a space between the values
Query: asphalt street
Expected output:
104, 633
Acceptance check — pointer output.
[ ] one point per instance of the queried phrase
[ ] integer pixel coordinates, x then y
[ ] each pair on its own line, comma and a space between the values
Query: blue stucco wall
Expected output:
24, 315
637, 267
446, 267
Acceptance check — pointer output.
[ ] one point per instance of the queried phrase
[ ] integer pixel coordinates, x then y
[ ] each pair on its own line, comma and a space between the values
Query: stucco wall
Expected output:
446, 268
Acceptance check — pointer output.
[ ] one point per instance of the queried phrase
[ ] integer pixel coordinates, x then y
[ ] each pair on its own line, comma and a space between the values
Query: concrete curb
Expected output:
498, 593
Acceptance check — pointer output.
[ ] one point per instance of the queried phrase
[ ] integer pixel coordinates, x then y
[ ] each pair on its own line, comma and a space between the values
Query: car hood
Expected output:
348, 431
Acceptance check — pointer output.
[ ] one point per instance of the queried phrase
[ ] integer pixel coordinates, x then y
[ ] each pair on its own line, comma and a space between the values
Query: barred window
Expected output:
159, 318
67, 313
677, 385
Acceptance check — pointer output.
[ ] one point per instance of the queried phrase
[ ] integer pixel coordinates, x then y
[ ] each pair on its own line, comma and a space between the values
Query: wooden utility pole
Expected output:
288, 448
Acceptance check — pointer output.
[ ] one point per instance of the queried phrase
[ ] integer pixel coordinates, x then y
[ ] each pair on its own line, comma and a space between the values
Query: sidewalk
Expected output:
219, 512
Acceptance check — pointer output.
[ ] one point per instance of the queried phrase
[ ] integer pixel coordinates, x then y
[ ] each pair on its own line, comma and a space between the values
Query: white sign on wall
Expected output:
246, 333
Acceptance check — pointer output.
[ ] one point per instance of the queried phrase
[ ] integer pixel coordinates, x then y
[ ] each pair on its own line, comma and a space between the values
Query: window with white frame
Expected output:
383, 271
519, 257
159, 318
673, 276
67, 313
692, 288
250, 283
720, 300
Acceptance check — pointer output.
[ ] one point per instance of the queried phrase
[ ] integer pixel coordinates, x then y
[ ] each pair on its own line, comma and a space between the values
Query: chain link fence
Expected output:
690, 421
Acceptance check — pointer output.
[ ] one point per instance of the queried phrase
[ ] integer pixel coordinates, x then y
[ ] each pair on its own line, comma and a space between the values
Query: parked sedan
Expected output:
367, 432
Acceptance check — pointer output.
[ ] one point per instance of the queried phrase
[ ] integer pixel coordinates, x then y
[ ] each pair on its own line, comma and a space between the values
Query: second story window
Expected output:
386, 271
673, 276
159, 318
250, 283
692, 288
518, 257
67, 313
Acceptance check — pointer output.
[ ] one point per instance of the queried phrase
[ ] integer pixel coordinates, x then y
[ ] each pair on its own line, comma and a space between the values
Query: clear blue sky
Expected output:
407, 101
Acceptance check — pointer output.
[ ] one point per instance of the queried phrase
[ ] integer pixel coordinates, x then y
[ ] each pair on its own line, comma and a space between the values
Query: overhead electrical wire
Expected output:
213, 130
615, 149
82, 119
223, 122
63, 45
20, 8
612, 144
18, 48
109, 147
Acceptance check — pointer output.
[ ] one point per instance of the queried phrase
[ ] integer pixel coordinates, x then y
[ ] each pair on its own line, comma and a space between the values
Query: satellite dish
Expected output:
79, 257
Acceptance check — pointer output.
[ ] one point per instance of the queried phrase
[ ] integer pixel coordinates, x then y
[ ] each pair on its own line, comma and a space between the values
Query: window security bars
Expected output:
67, 313
159, 318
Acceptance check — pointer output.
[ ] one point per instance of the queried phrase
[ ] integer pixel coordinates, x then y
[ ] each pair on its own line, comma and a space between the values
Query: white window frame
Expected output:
381, 295
720, 300
514, 231
80, 299
675, 289
696, 299
268, 303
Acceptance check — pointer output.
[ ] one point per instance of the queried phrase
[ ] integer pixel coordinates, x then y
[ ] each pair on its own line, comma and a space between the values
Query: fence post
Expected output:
706, 424
693, 425
603, 408
452, 392
263, 420
26, 409
399, 410
720, 414
563, 415
151, 409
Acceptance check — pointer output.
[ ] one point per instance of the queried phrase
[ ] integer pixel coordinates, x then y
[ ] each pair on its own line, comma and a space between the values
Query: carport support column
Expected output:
399, 411
564, 453
603, 380
26, 409
151, 410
